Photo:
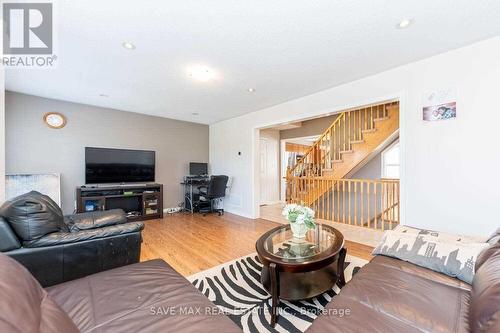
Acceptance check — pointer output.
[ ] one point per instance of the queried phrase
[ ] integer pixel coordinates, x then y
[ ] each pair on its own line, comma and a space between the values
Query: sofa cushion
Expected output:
59, 238
425, 273
485, 296
360, 318
33, 215
98, 219
145, 297
410, 297
25, 306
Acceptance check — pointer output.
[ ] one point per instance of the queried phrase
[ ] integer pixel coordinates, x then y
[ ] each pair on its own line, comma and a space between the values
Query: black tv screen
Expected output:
198, 169
105, 165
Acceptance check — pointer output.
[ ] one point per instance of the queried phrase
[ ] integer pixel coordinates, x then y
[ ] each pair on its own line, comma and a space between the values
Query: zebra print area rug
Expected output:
235, 287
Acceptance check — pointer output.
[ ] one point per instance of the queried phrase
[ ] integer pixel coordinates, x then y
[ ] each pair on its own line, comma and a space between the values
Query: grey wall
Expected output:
32, 147
309, 128
2, 135
373, 169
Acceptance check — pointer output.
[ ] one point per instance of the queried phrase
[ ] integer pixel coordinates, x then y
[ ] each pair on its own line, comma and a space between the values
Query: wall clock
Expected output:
54, 120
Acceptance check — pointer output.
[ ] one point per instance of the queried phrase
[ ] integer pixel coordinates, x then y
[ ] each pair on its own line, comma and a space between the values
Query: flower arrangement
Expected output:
300, 217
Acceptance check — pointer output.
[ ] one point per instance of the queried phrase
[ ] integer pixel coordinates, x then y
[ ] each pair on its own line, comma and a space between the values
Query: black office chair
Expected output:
211, 196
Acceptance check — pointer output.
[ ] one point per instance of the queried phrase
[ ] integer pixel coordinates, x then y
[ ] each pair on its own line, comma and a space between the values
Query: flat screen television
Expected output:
105, 165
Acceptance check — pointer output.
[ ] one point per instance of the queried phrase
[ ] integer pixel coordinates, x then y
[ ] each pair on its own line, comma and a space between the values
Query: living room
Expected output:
136, 195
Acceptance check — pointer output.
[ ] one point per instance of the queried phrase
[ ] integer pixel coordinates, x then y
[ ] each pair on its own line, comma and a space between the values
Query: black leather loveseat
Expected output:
57, 248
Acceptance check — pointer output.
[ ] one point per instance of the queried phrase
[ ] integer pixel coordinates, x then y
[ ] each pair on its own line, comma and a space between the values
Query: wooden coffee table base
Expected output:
294, 286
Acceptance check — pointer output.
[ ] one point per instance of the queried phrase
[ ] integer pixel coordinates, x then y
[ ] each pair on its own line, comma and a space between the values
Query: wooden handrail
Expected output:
337, 139
301, 160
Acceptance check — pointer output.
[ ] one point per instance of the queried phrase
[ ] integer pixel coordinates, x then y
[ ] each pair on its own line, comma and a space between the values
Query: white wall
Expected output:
444, 162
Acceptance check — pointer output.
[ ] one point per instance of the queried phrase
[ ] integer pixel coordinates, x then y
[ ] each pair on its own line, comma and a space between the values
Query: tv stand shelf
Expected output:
140, 202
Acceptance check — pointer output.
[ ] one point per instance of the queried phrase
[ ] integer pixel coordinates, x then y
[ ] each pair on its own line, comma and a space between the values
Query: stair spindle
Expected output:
371, 117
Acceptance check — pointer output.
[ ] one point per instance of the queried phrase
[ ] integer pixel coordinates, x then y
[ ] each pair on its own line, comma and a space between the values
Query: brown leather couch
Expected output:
390, 295
57, 248
144, 297
386, 295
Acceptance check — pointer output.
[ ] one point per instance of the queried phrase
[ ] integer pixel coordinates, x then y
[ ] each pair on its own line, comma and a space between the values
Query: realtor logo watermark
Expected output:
28, 35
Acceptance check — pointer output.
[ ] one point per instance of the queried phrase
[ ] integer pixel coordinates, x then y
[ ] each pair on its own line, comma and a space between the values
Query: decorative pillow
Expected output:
440, 236
453, 258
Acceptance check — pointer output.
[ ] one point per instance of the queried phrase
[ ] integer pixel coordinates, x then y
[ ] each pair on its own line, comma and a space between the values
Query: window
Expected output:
391, 161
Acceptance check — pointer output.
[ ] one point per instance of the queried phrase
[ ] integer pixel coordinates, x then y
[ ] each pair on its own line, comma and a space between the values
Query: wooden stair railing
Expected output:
369, 203
349, 140
389, 215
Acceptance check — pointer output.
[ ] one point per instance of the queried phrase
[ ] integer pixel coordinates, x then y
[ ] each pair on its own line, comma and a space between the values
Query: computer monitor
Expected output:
198, 169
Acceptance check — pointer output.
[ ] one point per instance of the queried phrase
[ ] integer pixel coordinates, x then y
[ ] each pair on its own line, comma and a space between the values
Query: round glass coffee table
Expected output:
298, 269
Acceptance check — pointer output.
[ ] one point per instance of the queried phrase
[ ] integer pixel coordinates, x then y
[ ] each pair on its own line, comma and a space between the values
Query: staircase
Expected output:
347, 144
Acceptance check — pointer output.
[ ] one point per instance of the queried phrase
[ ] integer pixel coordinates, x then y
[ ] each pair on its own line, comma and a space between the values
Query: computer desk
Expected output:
192, 191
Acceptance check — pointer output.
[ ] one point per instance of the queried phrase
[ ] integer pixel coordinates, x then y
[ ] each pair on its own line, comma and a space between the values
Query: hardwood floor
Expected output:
191, 243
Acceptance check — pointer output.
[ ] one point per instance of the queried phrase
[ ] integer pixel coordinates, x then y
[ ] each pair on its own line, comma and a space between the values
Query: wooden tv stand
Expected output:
139, 201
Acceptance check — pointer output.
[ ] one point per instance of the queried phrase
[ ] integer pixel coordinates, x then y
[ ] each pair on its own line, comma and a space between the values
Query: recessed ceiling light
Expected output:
250, 89
128, 45
202, 73
195, 113
404, 23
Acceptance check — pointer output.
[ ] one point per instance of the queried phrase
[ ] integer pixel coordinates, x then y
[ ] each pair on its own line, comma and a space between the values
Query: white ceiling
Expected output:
284, 49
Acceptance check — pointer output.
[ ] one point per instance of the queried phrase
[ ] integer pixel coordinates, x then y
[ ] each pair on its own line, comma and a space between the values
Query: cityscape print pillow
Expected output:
441, 236
451, 257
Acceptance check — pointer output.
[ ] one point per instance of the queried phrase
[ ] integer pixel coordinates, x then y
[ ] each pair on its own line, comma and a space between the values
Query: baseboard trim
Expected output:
273, 203
238, 212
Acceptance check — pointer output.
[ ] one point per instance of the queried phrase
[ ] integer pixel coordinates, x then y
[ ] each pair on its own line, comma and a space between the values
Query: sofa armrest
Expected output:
8, 240
55, 264
94, 220
58, 238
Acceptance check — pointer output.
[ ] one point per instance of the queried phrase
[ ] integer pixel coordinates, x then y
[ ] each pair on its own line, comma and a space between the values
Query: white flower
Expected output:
309, 212
300, 219
289, 208
299, 214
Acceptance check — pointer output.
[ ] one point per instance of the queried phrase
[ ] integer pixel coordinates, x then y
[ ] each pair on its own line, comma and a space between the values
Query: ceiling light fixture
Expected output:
251, 90
128, 45
195, 113
202, 73
404, 23
103, 95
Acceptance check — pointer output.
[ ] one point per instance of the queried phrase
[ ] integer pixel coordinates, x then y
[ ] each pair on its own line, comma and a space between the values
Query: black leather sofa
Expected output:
57, 248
